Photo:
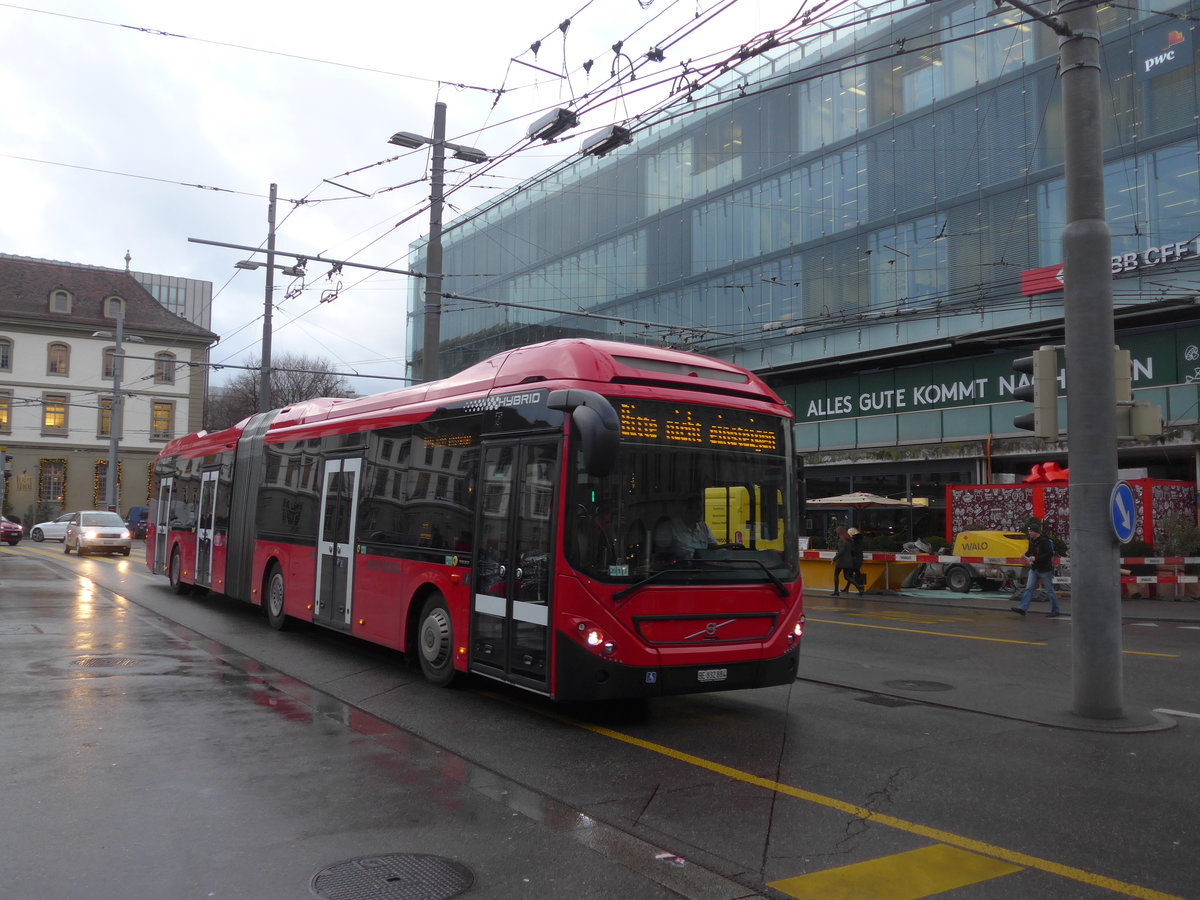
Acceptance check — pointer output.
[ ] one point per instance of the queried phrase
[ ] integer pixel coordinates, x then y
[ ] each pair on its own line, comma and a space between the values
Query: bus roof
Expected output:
602, 362
574, 359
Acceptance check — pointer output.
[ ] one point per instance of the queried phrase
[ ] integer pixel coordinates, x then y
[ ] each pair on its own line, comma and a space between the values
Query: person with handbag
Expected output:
1040, 557
847, 561
856, 558
843, 560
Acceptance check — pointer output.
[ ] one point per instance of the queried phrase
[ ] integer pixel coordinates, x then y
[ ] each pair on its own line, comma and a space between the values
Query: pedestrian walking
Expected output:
1040, 557
843, 560
856, 558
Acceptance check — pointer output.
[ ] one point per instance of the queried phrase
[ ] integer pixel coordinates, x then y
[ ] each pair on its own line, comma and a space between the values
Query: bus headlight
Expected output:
596, 639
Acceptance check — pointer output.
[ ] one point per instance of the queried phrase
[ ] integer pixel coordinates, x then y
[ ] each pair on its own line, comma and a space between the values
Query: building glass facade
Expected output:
854, 217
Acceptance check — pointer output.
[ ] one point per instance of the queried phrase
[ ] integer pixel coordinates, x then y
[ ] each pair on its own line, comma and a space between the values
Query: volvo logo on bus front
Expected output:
710, 630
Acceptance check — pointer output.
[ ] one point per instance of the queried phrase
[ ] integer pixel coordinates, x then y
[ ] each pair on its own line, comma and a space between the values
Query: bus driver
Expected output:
681, 538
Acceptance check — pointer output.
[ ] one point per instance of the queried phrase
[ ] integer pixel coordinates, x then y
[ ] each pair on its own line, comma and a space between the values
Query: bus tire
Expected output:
273, 598
435, 641
175, 574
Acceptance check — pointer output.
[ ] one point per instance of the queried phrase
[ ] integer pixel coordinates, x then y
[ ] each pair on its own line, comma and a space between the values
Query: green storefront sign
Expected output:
1160, 358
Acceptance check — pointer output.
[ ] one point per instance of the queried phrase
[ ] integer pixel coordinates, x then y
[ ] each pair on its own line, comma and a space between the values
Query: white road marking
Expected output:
1177, 712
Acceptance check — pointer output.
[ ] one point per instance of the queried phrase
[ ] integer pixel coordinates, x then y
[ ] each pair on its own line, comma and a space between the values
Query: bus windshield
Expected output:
696, 513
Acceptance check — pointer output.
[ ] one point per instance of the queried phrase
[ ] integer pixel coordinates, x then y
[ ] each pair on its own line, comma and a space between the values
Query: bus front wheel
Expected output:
273, 601
435, 642
175, 575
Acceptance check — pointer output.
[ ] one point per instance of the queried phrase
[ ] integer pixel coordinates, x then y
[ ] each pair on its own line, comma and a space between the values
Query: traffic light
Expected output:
1138, 420
1122, 375
1042, 390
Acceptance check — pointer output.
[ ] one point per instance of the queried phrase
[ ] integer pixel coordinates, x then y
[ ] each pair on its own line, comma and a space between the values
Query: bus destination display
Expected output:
681, 423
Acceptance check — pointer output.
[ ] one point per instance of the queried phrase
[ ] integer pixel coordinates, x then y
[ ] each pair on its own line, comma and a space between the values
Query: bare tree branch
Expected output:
305, 377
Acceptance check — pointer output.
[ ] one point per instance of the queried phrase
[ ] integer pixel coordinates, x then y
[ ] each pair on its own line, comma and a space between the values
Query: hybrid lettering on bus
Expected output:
523, 520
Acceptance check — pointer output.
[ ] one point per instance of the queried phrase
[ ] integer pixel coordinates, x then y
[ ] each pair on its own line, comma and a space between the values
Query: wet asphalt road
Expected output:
157, 749
144, 760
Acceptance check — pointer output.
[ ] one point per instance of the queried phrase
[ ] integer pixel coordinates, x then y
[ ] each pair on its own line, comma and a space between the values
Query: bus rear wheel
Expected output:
435, 642
273, 599
175, 575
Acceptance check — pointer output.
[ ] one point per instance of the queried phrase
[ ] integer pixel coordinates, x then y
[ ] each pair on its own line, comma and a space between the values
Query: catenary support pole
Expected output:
433, 252
1091, 396
264, 375
115, 423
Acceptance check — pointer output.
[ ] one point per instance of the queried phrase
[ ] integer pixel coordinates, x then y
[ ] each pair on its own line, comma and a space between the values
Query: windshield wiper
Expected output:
779, 586
649, 579
694, 569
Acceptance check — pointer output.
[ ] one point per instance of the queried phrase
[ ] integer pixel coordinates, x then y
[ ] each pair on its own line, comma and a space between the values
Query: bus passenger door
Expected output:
204, 527
335, 542
511, 626
162, 523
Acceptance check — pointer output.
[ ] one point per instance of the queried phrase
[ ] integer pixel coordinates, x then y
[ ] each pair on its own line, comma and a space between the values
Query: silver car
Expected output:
51, 531
94, 530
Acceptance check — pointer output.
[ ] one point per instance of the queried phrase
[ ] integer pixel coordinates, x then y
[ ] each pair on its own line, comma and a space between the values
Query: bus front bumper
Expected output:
585, 676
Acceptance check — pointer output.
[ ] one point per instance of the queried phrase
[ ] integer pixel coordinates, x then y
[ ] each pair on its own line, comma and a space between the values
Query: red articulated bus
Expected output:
584, 519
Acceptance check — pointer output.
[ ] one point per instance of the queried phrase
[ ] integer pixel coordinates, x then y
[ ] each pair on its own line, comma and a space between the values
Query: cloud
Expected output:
162, 114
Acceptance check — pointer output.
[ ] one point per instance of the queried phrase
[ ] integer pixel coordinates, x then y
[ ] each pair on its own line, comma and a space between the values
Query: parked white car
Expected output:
51, 531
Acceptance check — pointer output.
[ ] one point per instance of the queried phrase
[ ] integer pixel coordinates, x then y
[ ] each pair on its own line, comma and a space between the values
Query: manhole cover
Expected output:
904, 685
107, 662
395, 876
107, 665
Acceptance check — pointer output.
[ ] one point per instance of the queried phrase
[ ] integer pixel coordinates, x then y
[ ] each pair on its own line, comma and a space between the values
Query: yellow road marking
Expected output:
902, 876
897, 616
1014, 857
965, 637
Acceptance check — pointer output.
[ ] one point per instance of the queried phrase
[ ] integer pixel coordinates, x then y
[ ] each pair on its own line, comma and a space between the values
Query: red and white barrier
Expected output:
1176, 562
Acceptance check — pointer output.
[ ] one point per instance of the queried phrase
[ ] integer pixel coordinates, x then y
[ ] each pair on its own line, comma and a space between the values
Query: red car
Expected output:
10, 532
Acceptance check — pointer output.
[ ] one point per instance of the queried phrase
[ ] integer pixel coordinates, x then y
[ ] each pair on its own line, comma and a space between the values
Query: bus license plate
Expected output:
706, 675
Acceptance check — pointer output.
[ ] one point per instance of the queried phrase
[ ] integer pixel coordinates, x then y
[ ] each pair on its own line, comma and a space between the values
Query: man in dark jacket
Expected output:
1040, 557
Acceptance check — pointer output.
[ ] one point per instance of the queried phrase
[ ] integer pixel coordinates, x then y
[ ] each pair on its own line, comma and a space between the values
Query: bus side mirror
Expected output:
596, 424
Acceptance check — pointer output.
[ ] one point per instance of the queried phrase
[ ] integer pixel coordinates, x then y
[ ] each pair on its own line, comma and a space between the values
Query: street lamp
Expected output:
606, 140
250, 264
552, 124
433, 261
114, 416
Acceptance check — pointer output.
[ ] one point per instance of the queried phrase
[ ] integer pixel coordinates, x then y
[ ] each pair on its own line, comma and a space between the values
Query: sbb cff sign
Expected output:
1049, 279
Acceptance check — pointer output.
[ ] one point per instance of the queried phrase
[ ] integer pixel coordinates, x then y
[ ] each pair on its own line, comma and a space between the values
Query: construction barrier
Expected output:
1176, 562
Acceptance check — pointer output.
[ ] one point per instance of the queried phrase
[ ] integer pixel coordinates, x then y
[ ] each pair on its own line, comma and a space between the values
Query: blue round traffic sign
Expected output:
1121, 508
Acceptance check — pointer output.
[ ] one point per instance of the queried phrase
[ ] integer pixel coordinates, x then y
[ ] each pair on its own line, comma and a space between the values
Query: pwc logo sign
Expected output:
1163, 50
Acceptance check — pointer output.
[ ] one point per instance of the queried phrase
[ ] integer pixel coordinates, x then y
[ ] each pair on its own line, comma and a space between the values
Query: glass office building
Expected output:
872, 219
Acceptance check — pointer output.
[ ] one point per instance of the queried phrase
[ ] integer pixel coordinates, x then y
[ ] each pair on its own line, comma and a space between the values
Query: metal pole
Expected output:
433, 252
112, 501
264, 377
1091, 393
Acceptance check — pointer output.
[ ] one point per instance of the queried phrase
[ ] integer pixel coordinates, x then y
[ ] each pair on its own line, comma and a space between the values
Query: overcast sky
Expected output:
108, 123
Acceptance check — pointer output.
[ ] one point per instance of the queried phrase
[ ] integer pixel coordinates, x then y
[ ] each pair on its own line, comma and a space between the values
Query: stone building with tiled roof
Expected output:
58, 323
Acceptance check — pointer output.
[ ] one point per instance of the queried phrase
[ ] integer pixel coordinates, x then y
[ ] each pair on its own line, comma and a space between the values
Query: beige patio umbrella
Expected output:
857, 500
